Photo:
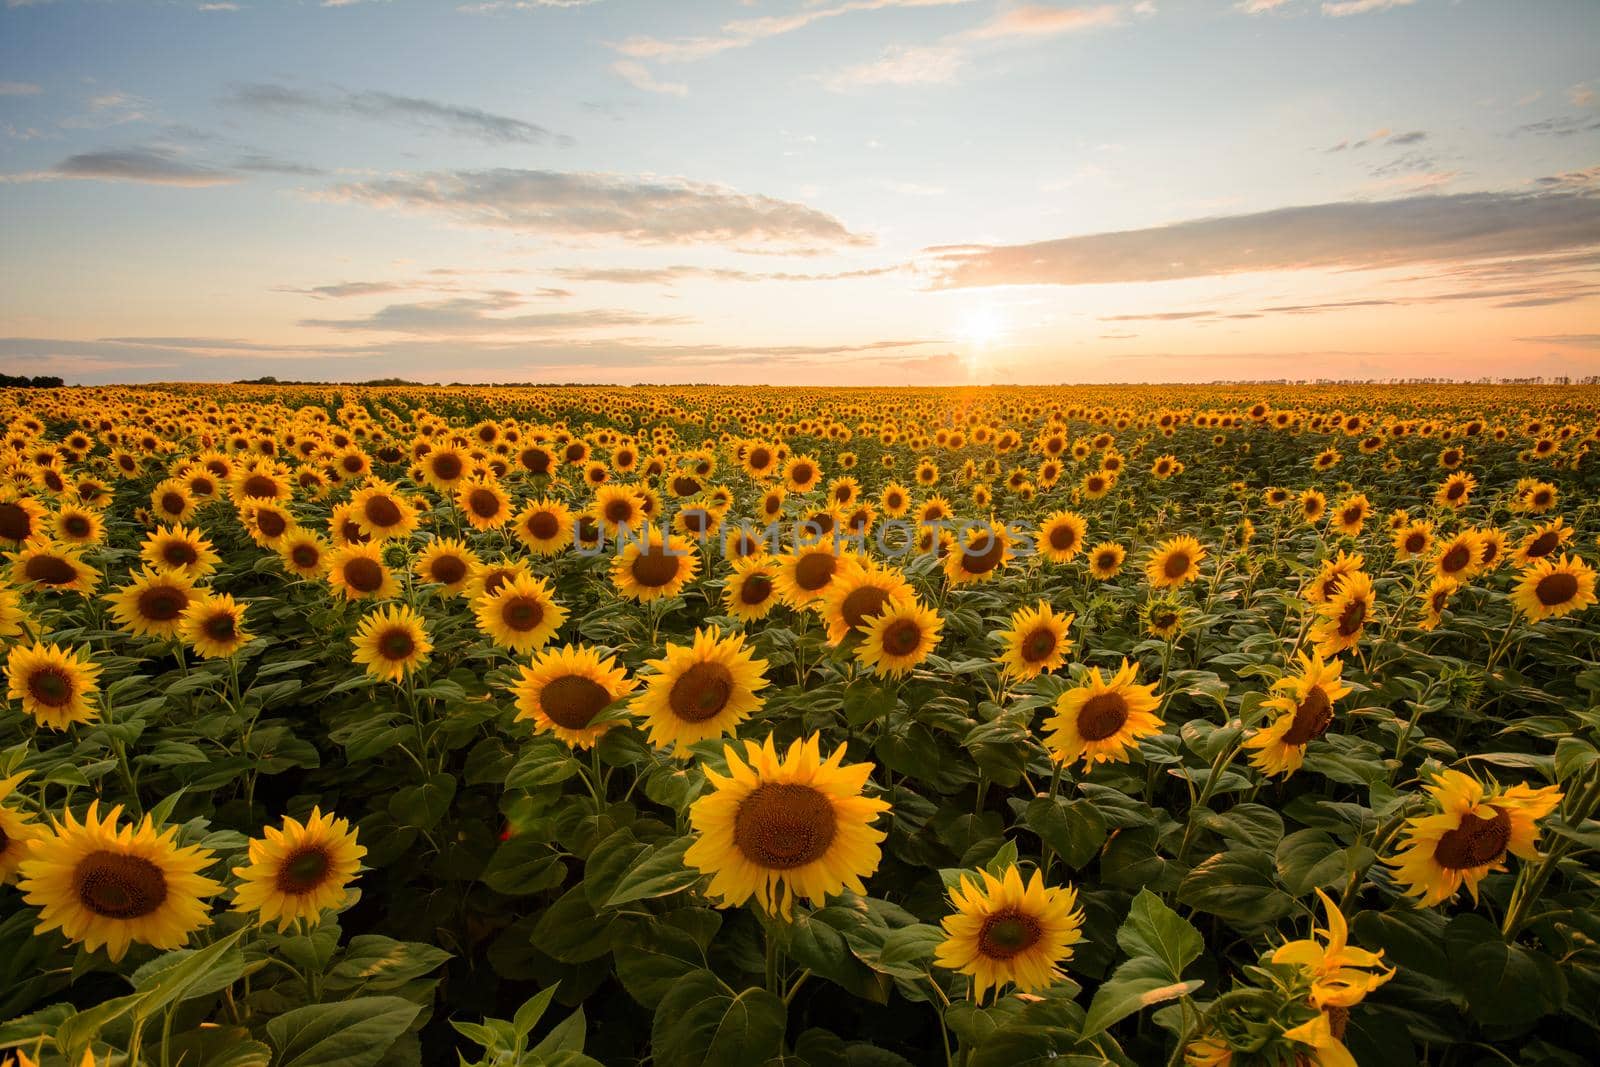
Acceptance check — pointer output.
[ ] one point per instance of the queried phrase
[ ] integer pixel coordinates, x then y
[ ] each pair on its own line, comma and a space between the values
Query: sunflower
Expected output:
752, 591
700, 691
213, 625
1312, 505
1105, 560
899, 638
1457, 558
1037, 641
1163, 617
1351, 514
446, 562
104, 885
565, 688
1493, 548
357, 572
1345, 616
1328, 580
444, 467
382, 513
545, 526
521, 615
776, 829
1551, 588
1341, 976
801, 474
180, 549
895, 500
1412, 539
266, 521
1174, 562
1062, 536
173, 501
51, 568
980, 552
700, 521
1537, 498
300, 871
1543, 540
75, 525
745, 540
805, 574
17, 831
1096, 484
263, 480
1440, 590
488, 578
1455, 491
1468, 836
391, 643
152, 605
654, 566
1102, 719
303, 553
484, 503
21, 518
862, 590
1006, 932
618, 507
1301, 710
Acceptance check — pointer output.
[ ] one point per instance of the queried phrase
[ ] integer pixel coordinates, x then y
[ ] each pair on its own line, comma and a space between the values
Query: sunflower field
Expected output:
355, 726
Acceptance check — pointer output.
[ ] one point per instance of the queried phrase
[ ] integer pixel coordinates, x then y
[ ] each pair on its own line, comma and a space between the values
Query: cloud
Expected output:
1343, 8
469, 122
1347, 235
19, 89
1259, 7
1384, 136
670, 275
1581, 95
471, 315
1037, 20
741, 33
1587, 178
149, 165
1570, 340
638, 75
265, 164
901, 65
583, 204
1561, 126
489, 7
223, 6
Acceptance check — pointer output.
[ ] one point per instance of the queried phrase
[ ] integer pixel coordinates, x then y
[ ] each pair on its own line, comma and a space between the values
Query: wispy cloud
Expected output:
1344, 8
901, 65
1043, 20
481, 315
151, 166
1384, 136
647, 210
638, 75
19, 89
1560, 126
1569, 340
741, 33
1348, 235
677, 273
411, 111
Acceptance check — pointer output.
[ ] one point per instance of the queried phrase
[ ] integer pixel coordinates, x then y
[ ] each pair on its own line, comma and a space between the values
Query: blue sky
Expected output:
881, 191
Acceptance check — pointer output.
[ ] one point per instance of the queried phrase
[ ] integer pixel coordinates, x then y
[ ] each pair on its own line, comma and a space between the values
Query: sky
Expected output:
873, 192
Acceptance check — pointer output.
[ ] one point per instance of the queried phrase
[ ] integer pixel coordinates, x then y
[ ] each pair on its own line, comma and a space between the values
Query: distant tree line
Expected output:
38, 381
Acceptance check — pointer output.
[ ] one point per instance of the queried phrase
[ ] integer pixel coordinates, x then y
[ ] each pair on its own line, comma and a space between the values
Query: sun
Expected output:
982, 327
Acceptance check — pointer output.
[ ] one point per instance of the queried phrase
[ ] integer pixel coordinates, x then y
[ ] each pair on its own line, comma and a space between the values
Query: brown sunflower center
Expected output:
1456, 559
782, 826
1475, 842
1177, 565
619, 510
1544, 544
655, 567
162, 603
381, 512
50, 570
447, 467
1105, 561
304, 555
396, 644
983, 554
1063, 537
760, 458
119, 886
802, 473
495, 579
535, 460
1351, 516
1008, 933
77, 526
259, 485
179, 554
543, 525
1311, 718
572, 701
447, 570
1352, 617
1415, 542
303, 870
1038, 645
364, 575
701, 692
1455, 490
353, 532
1556, 589
755, 590
902, 637
815, 571
220, 627
16, 524
483, 503
862, 603
522, 613
271, 523
1101, 716
50, 686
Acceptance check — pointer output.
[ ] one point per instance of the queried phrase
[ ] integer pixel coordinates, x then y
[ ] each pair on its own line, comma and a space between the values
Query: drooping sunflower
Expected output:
213, 625
1105, 560
776, 829
392, 642
446, 562
485, 504
303, 553
300, 871
51, 568
17, 831
152, 605
1341, 975
751, 591
1551, 588
178, 548
101, 884
700, 691
654, 566
1301, 710
545, 526
357, 572
1542, 541
862, 589
1345, 616
1102, 719
382, 512
1062, 536
1457, 558
1004, 931
1472, 830
1174, 562
978, 554
521, 615
1440, 590
899, 638
565, 688
1036, 641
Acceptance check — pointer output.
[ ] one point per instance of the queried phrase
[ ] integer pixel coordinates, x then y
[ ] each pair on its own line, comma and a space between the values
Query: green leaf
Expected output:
523, 865
1506, 985
1155, 930
660, 873
1160, 945
702, 1023
1309, 858
349, 1033
383, 964
1075, 829
1238, 885
422, 806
